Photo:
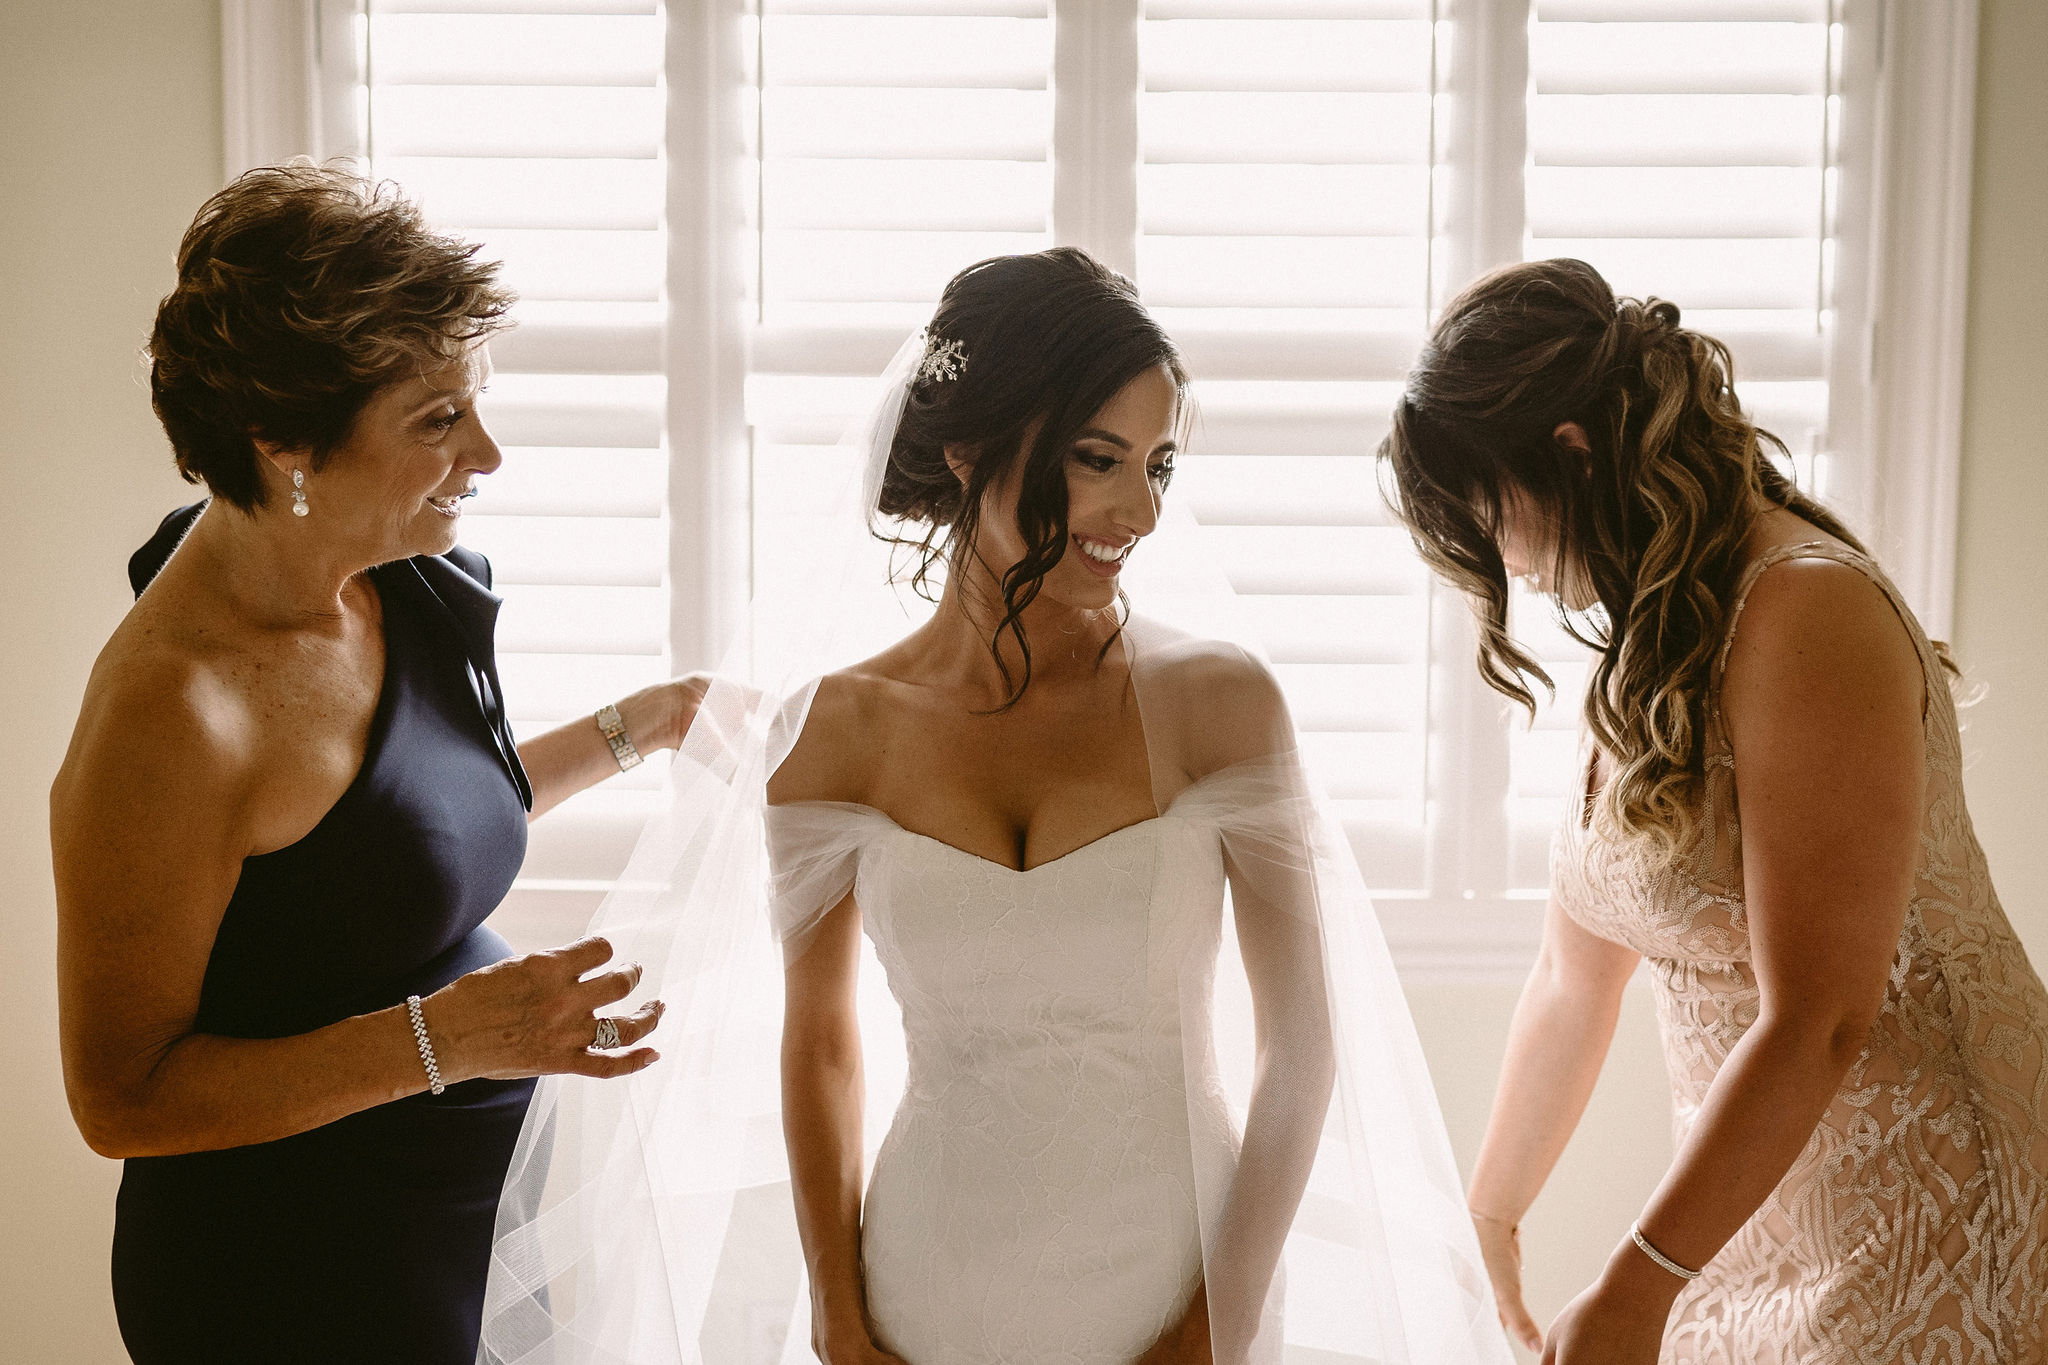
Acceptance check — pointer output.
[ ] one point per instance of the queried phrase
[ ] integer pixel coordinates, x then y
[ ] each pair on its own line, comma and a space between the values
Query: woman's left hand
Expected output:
1619, 1320
662, 713
575, 757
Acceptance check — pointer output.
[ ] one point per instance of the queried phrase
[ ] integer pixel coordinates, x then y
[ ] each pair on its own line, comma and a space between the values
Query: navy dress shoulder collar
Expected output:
455, 588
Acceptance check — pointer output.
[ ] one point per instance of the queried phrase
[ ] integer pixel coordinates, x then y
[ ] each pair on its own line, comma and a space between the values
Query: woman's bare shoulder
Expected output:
1224, 702
164, 712
848, 714
1819, 633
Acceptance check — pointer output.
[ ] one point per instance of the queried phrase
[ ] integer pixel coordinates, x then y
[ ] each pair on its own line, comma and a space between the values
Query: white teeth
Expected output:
1101, 554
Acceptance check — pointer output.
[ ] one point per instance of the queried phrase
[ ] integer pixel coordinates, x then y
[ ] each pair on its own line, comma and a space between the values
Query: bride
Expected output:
1110, 915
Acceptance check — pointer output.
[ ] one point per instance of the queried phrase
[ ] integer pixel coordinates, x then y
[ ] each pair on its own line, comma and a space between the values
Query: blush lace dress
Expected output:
1913, 1228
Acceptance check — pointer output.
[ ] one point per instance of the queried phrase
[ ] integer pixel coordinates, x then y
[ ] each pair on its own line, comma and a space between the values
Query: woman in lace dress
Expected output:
1772, 818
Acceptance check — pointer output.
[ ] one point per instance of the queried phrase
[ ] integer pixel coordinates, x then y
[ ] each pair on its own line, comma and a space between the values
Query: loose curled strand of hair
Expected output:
1655, 521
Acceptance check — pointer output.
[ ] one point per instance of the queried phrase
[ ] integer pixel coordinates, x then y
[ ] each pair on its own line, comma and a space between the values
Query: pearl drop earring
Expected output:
298, 492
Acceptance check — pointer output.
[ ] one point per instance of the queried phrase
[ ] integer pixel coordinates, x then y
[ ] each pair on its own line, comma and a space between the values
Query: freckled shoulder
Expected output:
161, 712
1817, 630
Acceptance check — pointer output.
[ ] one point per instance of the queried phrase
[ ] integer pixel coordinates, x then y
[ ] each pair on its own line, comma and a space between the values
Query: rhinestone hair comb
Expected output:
943, 359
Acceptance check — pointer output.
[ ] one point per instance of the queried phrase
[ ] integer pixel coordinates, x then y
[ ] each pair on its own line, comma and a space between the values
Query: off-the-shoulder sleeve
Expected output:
813, 856
1265, 812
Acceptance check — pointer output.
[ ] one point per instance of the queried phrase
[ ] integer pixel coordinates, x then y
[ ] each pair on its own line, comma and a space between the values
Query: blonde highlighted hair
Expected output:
1653, 521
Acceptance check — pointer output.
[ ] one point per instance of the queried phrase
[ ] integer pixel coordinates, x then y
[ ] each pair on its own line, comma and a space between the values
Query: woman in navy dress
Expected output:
292, 799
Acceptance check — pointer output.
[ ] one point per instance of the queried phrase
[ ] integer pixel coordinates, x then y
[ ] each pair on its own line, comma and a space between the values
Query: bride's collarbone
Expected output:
1020, 807
1019, 787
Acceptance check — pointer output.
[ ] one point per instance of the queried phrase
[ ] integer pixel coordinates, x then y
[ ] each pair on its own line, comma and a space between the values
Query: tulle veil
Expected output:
649, 1221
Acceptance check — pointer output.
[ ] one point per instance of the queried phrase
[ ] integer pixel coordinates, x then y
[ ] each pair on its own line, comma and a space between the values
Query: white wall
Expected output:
109, 139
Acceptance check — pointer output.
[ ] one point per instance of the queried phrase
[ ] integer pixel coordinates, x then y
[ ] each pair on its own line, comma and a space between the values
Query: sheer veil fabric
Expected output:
649, 1221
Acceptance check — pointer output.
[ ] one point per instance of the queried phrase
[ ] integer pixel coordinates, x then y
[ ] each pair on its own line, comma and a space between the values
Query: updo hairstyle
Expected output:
1048, 338
1655, 521
303, 289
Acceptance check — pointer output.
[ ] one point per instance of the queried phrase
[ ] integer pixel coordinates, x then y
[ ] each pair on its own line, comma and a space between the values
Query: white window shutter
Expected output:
1284, 204
899, 141
535, 130
1311, 178
1684, 150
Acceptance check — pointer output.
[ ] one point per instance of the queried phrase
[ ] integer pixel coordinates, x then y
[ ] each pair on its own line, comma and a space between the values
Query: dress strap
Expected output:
1930, 663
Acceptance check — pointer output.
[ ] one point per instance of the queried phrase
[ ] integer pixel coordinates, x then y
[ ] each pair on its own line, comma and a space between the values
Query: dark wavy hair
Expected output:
303, 289
1655, 521
1049, 338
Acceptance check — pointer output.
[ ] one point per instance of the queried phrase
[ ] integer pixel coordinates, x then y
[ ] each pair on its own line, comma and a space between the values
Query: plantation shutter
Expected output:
898, 141
535, 129
1685, 148
1311, 178
1284, 240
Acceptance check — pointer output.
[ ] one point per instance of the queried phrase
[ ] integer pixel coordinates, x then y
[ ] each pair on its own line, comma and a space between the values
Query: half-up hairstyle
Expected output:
1048, 339
1653, 522
303, 289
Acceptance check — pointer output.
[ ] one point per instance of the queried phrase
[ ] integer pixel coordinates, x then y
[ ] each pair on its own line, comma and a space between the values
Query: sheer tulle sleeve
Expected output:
1343, 1229
649, 1220
813, 858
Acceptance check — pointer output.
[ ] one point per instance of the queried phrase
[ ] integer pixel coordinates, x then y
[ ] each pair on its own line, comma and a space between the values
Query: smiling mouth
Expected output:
1101, 557
451, 506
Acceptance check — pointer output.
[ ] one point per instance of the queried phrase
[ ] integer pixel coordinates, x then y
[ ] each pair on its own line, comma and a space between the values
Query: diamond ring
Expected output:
607, 1035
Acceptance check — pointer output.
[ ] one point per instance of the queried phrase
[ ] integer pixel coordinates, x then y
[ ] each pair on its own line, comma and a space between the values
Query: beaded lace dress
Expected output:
1913, 1227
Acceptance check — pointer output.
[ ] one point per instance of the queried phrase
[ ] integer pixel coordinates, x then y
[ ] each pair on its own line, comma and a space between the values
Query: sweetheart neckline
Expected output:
1005, 867
900, 828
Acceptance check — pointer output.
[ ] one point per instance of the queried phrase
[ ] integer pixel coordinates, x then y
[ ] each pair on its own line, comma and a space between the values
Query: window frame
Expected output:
290, 71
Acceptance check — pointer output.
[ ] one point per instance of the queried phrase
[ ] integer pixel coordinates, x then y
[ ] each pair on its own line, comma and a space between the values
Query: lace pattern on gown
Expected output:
1913, 1228
1044, 1185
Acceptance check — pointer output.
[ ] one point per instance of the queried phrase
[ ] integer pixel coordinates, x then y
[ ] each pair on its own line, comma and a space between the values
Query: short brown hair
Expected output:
302, 289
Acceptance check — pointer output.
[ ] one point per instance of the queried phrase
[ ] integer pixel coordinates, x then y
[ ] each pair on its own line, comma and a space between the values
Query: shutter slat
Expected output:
1676, 130
1287, 54
515, 49
1724, 58
592, 264
581, 337
1279, 490
533, 192
516, 121
626, 552
913, 51
575, 481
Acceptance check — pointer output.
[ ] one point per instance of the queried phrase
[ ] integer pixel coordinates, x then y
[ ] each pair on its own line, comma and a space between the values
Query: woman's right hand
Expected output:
1500, 1244
536, 1015
849, 1343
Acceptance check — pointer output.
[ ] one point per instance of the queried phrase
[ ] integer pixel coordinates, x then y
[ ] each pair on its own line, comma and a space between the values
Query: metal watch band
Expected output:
613, 727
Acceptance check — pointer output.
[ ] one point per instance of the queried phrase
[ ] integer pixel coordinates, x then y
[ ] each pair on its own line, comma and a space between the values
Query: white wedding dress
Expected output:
1036, 1198
1067, 1050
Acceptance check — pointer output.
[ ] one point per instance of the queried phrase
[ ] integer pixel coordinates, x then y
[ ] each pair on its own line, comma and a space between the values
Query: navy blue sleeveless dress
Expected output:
368, 1239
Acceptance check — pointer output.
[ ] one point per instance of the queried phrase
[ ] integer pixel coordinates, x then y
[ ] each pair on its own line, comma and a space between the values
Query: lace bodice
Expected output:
1914, 1225
1037, 1196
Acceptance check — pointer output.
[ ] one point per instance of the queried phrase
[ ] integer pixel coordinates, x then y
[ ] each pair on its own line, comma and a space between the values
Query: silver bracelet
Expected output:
1635, 1230
419, 1033
613, 727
